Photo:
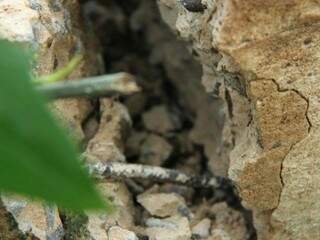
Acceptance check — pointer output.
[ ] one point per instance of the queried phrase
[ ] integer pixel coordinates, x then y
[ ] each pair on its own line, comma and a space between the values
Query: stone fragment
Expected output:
202, 228
160, 120
134, 142
162, 204
51, 30
155, 150
227, 224
173, 228
118, 233
265, 68
136, 104
33, 219
107, 144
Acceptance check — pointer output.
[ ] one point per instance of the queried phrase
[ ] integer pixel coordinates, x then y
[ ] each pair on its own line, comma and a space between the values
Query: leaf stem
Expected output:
104, 85
61, 74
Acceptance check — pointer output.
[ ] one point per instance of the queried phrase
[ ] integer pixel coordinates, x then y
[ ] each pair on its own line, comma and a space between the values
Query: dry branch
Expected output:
118, 170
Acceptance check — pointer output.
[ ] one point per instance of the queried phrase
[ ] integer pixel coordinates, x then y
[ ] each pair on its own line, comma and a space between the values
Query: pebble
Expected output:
118, 233
202, 228
173, 228
155, 150
160, 120
162, 204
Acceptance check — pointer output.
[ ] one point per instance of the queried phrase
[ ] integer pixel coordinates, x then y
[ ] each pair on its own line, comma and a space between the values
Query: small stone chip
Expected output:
160, 120
161, 204
202, 228
118, 233
173, 228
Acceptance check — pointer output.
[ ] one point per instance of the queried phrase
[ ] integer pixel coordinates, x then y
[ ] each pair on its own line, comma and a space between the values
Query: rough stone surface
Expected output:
54, 32
33, 219
161, 204
118, 233
261, 58
202, 228
227, 222
160, 120
173, 228
107, 145
155, 150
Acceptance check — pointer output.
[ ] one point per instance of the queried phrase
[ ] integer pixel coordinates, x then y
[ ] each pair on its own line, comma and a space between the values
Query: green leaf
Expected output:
36, 157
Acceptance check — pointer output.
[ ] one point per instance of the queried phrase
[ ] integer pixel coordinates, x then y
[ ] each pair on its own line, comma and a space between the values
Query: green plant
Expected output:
36, 157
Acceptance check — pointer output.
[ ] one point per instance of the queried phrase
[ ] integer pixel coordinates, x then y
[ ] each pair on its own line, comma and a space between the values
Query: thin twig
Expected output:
104, 85
117, 170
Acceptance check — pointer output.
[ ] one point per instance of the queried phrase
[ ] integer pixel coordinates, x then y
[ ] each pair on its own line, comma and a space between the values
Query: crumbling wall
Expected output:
54, 30
262, 58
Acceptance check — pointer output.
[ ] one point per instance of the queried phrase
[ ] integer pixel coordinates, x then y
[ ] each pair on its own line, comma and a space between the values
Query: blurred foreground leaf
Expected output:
36, 157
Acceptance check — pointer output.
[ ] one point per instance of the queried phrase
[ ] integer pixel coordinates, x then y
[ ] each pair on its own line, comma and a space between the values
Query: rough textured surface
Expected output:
35, 219
53, 30
107, 145
261, 57
161, 204
159, 120
227, 223
259, 125
176, 228
155, 150
118, 233
202, 229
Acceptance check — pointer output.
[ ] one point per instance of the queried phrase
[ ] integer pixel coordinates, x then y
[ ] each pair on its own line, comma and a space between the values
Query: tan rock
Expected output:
227, 223
54, 33
162, 204
174, 228
34, 219
155, 150
118, 233
108, 145
262, 59
108, 142
202, 228
160, 120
